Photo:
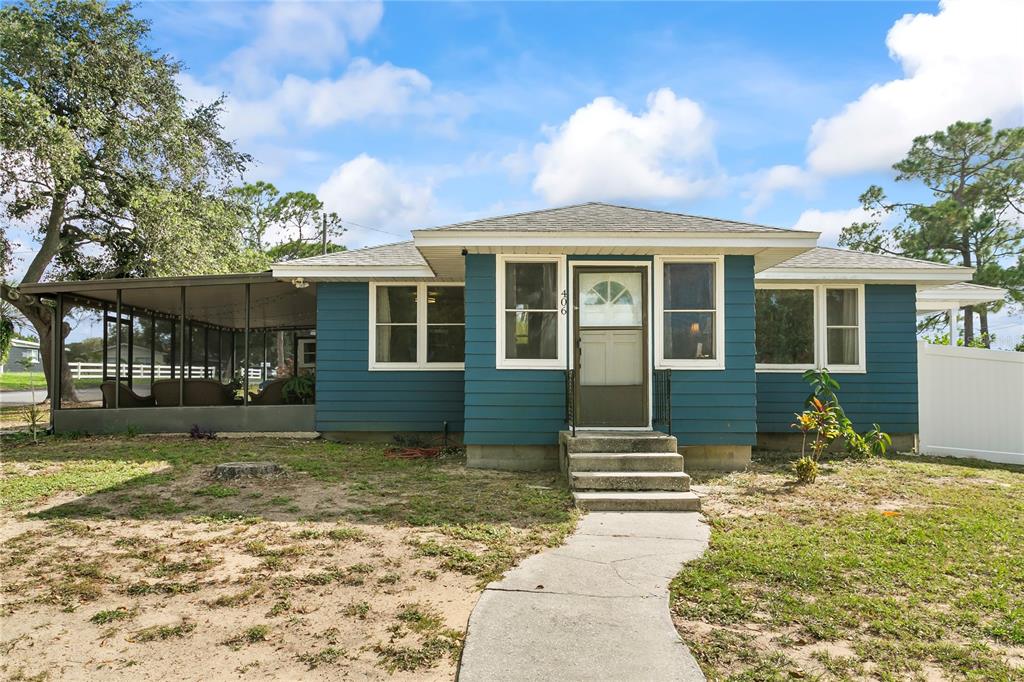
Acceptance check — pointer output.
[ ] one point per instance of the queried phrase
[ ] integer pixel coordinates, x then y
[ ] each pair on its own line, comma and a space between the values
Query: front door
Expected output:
610, 323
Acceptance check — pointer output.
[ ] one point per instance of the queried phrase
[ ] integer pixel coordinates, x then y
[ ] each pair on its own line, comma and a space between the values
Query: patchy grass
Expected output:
891, 569
128, 543
25, 482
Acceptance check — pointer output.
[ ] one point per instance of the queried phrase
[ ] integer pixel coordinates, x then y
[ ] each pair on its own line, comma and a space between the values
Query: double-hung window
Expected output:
417, 326
689, 295
530, 323
806, 326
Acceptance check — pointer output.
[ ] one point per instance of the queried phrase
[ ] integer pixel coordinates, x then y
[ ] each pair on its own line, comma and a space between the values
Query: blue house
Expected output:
603, 339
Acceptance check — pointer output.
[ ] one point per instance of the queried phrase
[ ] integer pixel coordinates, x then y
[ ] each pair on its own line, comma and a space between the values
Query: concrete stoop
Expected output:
626, 471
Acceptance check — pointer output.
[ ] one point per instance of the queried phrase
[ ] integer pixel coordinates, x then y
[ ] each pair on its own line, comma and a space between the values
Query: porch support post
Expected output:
56, 346
117, 353
953, 333
181, 352
245, 344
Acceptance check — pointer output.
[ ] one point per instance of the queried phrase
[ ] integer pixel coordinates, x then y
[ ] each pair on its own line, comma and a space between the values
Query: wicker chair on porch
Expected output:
128, 397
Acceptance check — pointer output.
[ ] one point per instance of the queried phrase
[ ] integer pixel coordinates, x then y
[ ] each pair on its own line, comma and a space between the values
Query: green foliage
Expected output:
979, 341
976, 177
823, 415
299, 389
103, 151
298, 218
6, 336
806, 469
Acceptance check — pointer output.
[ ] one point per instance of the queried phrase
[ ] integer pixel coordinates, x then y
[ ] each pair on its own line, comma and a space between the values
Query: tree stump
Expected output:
245, 469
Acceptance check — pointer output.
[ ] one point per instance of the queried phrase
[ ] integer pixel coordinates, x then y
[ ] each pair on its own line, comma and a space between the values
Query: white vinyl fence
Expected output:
971, 403
94, 370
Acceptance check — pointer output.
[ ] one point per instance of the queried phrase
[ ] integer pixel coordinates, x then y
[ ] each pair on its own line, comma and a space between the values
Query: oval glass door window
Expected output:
611, 299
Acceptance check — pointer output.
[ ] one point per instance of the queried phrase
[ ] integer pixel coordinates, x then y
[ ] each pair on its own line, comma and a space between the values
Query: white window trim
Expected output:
501, 362
820, 329
301, 353
421, 364
658, 328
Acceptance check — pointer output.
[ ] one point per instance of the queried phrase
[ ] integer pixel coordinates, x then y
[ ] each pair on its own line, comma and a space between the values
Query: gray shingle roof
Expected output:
827, 257
597, 217
402, 253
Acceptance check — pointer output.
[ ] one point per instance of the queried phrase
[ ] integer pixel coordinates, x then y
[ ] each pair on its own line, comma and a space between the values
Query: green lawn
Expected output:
22, 381
885, 569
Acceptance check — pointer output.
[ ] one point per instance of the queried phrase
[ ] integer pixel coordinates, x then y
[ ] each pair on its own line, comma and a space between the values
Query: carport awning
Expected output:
956, 296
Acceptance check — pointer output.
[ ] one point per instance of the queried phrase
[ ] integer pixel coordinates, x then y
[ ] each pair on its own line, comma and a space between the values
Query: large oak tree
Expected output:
102, 155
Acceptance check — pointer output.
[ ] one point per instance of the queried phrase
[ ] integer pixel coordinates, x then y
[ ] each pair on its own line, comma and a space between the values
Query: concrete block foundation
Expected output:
512, 457
790, 442
715, 457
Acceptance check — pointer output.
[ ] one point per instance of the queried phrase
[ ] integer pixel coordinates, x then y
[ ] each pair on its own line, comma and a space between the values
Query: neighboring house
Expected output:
510, 330
20, 351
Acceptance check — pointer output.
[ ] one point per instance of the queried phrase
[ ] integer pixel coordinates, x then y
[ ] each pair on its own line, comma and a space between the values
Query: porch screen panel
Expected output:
689, 311
784, 326
531, 311
87, 352
396, 324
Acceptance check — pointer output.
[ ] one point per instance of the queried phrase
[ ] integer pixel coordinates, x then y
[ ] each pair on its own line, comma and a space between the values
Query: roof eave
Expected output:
935, 277
563, 239
351, 272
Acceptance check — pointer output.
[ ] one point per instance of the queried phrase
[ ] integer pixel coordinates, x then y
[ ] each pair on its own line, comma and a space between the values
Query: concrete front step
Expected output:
631, 480
619, 441
637, 501
625, 461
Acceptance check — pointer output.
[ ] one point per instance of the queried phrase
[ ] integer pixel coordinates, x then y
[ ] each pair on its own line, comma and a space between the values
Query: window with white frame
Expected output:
530, 325
689, 296
800, 327
784, 327
417, 326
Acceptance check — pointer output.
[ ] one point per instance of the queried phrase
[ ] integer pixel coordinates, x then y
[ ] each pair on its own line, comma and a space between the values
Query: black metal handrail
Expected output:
663, 398
570, 399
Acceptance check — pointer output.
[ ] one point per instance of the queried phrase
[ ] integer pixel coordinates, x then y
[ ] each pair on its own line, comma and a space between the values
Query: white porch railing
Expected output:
971, 403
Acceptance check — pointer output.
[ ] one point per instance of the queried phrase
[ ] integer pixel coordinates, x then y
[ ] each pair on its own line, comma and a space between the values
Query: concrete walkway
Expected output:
595, 608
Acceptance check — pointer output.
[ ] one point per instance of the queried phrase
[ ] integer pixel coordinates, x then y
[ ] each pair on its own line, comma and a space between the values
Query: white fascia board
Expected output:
562, 240
327, 272
879, 275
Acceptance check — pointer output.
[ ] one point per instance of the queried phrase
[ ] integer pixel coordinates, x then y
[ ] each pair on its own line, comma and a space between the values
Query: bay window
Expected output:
689, 294
417, 326
530, 328
800, 327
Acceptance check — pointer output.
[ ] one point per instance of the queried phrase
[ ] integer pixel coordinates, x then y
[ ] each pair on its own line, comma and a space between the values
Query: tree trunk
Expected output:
40, 317
968, 325
983, 318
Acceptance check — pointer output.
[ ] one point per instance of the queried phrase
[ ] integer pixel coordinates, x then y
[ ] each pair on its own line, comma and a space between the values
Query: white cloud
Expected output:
368, 191
311, 34
830, 223
964, 63
363, 90
603, 151
766, 183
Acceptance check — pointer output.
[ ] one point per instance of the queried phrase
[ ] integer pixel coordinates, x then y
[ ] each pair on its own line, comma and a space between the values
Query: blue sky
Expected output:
406, 115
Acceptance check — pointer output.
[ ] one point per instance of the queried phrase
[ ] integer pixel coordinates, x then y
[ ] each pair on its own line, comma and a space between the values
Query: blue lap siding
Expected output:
717, 407
886, 394
349, 397
503, 407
